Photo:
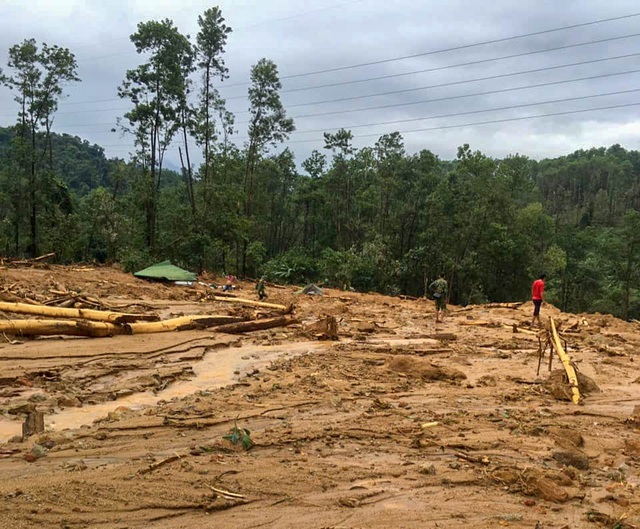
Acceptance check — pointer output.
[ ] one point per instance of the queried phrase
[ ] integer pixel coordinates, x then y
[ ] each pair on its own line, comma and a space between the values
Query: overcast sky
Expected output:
305, 37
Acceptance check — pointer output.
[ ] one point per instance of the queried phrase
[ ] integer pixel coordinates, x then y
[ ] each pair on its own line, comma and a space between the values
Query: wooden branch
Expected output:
509, 305
55, 327
85, 314
566, 362
256, 325
183, 323
99, 329
252, 303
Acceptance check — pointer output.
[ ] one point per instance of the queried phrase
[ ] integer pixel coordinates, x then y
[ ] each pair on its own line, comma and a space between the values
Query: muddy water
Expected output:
217, 369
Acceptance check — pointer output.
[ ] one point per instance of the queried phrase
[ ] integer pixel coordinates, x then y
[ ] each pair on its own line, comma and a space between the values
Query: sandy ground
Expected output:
399, 423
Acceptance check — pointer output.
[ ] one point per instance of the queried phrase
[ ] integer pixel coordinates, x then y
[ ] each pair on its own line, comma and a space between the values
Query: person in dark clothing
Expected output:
439, 289
261, 289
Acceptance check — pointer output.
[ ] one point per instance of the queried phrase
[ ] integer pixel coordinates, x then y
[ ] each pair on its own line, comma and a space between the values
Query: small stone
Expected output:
429, 470
69, 402
38, 397
573, 459
15, 439
39, 451
529, 502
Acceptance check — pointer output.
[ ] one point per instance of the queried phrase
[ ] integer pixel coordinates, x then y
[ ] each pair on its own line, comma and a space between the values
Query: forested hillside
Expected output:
374, 218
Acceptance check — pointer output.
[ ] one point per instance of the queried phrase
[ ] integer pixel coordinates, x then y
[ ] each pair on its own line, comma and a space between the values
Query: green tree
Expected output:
158, 90
37, 77
268, 122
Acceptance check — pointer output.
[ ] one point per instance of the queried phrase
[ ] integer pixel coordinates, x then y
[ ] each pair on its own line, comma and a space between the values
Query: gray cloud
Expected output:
330, 34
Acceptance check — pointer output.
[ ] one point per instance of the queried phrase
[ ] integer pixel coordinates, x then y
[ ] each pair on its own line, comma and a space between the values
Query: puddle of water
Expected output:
217, 369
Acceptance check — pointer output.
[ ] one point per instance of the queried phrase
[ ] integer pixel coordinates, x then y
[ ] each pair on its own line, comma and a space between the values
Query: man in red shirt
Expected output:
537, 294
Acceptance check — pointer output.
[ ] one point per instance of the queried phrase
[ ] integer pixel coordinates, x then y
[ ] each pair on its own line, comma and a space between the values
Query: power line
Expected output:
465, 81
455, 48
353, 98
490, 122
456, 114
448, 98
470, 63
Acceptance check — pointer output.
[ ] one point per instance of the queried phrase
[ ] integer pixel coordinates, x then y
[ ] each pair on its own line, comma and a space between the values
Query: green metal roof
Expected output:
165, 270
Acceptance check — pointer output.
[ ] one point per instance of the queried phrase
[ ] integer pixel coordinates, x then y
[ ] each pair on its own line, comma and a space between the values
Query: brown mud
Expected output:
398, 423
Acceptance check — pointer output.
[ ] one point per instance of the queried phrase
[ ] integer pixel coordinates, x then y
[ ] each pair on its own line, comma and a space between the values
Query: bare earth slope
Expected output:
397, 424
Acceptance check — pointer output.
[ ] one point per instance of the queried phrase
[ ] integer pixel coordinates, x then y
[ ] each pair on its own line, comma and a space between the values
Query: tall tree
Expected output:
158, 90
37, 77
268, 122
210, 47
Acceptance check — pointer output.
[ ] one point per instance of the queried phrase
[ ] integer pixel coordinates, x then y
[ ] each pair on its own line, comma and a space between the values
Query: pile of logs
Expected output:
25, 262
96, 323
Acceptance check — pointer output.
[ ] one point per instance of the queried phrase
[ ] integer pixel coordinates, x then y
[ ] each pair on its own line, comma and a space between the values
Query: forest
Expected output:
376, 218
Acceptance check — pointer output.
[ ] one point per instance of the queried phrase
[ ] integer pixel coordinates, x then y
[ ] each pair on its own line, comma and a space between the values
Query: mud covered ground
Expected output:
399, 423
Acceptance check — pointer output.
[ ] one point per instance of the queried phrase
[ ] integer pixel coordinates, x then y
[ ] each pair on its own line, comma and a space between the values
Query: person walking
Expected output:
537, 295
261, 289
439, 289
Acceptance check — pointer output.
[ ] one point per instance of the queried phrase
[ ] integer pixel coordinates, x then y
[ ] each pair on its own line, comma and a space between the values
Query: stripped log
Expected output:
183, 323
56, 327
566, 362
256, 325
100, 329
509, 305
251, 303
84, 314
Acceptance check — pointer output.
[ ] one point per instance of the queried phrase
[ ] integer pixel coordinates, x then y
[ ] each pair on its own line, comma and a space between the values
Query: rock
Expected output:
29, 457
487, 380
69, 402
566, 438
15, 439
18, 409
39, 451
572, 458
38, 397
538, 485
429, 470
100, 436
632, 446
366, 326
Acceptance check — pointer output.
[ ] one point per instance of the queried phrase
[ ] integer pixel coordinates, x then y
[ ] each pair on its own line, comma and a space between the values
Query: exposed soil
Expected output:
398, 423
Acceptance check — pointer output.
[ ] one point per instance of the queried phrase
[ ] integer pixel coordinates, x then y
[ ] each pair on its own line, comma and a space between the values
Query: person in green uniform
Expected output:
260, 288
439, 289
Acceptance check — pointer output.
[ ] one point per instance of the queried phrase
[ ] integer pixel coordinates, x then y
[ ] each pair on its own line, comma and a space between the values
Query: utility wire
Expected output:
470, 112
490, 122
454, 83
454, 48
460, 125
353, 98
449, 98
447, 67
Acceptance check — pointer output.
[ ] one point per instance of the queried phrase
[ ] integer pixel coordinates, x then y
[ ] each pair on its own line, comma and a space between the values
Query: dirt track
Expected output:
337, 426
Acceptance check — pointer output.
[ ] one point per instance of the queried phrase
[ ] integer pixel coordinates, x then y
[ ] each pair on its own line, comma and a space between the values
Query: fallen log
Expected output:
183, 323
480, 323
256, 325
250, 302
85, 314
566, 362
100, 329
55, 327
443, 336
517, 329
509, 305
